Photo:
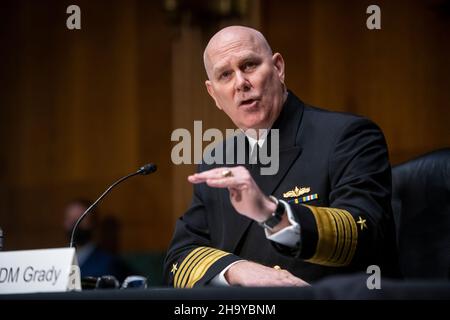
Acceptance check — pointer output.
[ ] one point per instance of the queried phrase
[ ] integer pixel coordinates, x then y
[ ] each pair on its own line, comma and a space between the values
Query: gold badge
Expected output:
297, 192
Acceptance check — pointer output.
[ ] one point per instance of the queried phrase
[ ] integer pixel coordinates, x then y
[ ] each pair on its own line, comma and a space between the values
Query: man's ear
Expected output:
278, 63
211, 92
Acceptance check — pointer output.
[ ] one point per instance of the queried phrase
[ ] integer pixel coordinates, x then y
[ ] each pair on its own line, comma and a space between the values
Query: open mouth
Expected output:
247, 102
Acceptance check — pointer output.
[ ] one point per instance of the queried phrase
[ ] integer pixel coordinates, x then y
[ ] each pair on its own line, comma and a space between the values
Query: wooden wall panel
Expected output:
397, 76
84, 108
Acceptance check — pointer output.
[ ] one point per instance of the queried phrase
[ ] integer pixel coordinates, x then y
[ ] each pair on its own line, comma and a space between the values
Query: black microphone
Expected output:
144, 170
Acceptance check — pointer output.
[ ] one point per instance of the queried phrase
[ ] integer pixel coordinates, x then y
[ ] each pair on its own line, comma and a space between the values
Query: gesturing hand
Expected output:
245, 195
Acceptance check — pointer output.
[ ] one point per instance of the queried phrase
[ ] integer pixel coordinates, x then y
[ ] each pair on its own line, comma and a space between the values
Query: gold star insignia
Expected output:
362, 222
174, 268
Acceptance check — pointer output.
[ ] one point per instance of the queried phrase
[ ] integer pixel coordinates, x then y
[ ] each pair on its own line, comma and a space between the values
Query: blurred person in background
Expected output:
93, 259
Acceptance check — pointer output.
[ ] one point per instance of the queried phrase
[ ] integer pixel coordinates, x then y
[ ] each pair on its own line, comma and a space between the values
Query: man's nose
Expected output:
241, 82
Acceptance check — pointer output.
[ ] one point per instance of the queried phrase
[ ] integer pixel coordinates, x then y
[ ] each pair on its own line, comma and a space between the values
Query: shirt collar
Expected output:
252, 141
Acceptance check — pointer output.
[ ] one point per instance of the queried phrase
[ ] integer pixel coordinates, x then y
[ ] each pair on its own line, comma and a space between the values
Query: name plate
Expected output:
47, 270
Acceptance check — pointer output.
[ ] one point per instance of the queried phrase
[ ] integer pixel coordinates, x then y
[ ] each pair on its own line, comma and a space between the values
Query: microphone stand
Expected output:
149, 168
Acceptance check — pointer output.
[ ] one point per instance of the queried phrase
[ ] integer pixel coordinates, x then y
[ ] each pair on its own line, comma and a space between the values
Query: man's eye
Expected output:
249, 65
225, 75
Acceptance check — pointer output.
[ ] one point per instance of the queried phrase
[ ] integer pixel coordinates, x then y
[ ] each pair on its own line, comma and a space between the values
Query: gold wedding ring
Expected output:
227, 173
277, 267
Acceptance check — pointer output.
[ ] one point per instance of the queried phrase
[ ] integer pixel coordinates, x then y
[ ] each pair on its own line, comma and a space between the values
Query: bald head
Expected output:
245, 79
233, 37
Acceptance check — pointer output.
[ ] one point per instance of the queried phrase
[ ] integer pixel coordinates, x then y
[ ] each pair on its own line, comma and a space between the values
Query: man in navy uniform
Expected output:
327, 209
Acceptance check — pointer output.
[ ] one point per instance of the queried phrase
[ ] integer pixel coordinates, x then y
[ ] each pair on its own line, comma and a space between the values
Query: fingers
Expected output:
250, 274
296, 282
281, 278
235, 194
226, 183
280, 281
217, 176
205, 175
285, 278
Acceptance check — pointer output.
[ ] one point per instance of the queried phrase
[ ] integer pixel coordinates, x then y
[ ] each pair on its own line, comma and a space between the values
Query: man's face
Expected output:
245, 80
84, 233
71, 215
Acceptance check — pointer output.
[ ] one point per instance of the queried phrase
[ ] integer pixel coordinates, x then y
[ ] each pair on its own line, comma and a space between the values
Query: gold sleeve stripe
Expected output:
201, 270
340, 230
347, 237
337, 236
195, 266
354, 239
186, 260
327, 236
193, 263
181, 269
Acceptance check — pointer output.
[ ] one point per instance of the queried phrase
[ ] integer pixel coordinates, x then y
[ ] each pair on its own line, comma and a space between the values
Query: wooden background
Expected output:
79, 109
